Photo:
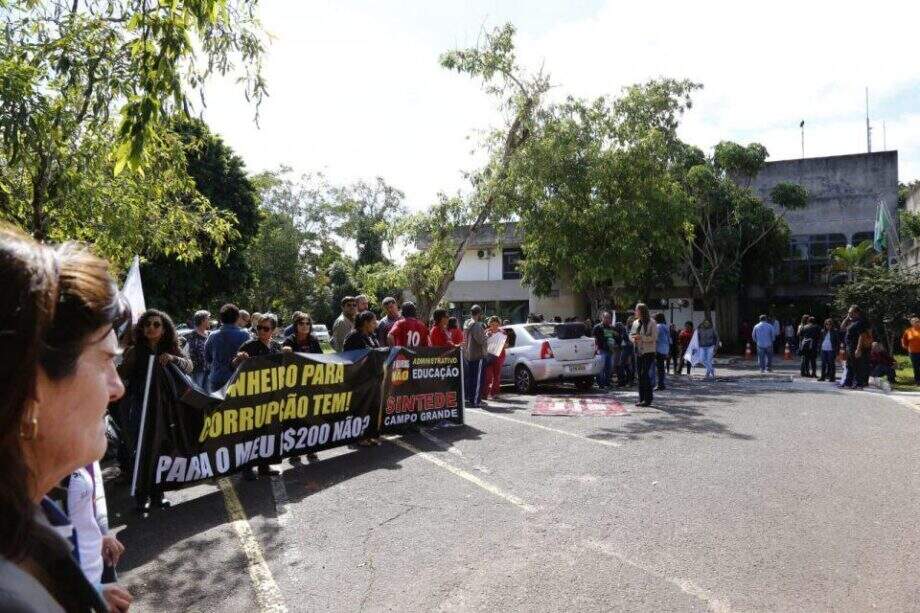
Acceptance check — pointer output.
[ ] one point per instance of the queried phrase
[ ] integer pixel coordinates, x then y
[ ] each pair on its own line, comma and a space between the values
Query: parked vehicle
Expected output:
321, 332
545, 352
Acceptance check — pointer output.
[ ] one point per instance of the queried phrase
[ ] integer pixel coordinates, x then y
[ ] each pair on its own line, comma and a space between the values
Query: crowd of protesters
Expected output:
61, 312
865, 356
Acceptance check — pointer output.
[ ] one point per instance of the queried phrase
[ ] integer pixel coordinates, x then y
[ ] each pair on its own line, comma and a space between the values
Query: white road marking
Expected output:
450, 448
716, 605
268, 595
492, 489
547, 428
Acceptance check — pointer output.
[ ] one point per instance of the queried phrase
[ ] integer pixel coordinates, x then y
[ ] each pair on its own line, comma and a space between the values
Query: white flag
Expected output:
692, 356
133, 291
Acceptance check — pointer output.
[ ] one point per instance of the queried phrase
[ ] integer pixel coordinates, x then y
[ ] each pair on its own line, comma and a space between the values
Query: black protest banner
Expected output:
423, 385
275, 406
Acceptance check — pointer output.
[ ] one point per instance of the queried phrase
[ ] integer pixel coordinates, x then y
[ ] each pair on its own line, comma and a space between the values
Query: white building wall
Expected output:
475, 268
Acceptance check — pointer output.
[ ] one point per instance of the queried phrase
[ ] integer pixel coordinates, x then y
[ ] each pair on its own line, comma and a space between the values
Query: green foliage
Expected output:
910, 224
596, 204
738, 160
68, 70
292, 253
890, 295
729, 225
366, 212
789, 196
854, 259
220, 176
904, 190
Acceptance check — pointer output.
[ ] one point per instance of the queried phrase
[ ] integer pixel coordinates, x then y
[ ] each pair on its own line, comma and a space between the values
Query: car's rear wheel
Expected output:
584, 384
523, 380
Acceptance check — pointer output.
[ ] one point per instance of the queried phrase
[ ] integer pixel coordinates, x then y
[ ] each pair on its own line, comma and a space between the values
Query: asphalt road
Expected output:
743, 494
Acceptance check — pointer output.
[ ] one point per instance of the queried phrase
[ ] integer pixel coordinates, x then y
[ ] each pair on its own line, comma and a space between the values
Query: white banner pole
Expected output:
140, 436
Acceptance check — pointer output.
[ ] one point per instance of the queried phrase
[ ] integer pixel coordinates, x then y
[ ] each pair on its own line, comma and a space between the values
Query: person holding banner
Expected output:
301, 340
222, 346
264, 344
154, 335
59, 308
364, 335
496, 358
455, 332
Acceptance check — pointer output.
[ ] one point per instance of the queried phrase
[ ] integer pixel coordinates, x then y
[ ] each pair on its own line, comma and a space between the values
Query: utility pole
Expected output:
884, 137
868, 127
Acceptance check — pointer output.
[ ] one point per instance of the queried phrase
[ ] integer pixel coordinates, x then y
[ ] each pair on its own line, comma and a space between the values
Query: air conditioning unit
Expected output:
485, 254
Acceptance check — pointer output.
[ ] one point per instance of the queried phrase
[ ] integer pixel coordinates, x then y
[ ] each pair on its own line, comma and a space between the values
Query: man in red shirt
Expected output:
408, 331
440, 337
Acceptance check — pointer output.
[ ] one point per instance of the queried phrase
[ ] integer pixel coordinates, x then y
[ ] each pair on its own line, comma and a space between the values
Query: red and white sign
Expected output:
591, 407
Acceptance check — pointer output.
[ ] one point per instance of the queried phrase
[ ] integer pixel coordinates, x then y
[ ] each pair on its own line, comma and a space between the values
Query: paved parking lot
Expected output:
737, 495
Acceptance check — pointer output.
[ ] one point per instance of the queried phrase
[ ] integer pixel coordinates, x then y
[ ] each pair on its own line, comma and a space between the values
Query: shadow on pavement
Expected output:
177, 533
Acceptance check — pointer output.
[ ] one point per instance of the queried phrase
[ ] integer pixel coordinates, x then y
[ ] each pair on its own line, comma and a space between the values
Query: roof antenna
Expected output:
868, 127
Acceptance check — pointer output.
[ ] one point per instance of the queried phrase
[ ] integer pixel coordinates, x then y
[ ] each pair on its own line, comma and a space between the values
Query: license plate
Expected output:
577, 368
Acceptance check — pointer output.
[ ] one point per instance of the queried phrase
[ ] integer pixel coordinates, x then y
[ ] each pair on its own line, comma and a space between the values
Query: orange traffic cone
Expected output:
787, 355
748, 355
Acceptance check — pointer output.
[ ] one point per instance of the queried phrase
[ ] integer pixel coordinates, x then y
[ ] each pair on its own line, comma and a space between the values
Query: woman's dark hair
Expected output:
659, 318
688, 323
229, 313
169, 341
362, 318
299, 317
830, 321
438, 315
452, 323
53, 304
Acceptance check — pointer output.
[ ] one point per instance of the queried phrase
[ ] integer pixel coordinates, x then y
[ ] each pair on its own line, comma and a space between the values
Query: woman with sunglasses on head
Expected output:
154, 335
263, 344
301, 339
59, 307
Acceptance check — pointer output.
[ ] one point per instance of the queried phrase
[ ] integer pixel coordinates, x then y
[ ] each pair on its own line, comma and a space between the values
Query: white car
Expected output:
321, 332
542, 352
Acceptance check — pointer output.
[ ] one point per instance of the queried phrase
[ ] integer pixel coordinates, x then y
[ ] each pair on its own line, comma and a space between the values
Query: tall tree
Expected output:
367, 210
727, 220
76, 78
520, 95
596, 203
220, 176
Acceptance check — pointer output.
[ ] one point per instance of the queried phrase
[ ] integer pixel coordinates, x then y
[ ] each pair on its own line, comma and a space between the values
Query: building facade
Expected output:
488, 275
844, 194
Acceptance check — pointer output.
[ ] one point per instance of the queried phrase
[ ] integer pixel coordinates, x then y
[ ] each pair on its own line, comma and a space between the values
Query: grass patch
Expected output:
904, 374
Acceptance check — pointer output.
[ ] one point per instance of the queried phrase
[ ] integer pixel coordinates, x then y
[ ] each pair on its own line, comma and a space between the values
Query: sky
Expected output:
356, 91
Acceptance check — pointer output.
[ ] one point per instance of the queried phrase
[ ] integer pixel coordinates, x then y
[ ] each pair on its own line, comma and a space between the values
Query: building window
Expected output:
859, 237
809, 257
511, 259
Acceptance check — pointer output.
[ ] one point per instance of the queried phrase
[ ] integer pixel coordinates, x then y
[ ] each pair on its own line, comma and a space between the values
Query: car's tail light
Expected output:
545, 351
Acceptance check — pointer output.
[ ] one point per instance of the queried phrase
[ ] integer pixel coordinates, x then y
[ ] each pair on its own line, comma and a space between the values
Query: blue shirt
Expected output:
220, 349
663, 345
764, 334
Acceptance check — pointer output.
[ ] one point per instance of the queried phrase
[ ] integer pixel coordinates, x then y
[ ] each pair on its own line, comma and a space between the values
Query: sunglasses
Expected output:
153, 324
265, 328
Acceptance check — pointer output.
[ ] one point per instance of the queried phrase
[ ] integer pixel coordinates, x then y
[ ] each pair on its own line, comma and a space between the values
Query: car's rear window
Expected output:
560, 331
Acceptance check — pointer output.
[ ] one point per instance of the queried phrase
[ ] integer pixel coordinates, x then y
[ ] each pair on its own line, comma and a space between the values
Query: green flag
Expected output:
880, 241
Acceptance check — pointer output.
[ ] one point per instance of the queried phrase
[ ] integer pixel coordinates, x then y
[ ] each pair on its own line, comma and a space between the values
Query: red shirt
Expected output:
410, 332
456, 336
439, 338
